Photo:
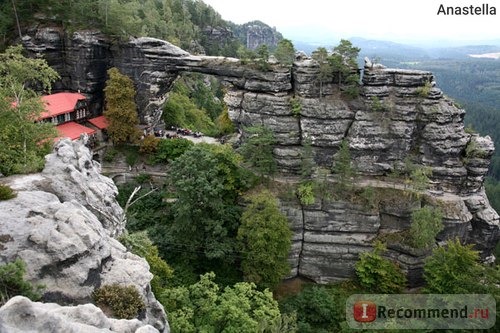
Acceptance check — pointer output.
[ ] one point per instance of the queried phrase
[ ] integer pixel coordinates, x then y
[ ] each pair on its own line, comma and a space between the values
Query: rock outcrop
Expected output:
63, 223
400, 116
20, 314
254, 34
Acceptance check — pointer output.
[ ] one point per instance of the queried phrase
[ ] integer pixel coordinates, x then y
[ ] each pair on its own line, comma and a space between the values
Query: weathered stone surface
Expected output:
328, 236
400, 116
485, 224
20, 314
397, 77
257, 33
62, 223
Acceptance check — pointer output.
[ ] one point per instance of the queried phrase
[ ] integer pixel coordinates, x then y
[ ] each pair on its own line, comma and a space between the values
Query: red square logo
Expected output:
365, 311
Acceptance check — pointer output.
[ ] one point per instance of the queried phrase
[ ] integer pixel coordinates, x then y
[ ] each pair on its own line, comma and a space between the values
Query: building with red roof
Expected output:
66, 109
100, 122
63, 107
73, 130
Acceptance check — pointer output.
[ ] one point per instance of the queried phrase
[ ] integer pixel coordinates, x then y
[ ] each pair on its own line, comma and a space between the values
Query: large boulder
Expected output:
62, 223
20, 314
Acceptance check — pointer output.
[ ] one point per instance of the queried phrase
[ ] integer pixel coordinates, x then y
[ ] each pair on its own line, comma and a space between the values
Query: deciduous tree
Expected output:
204, 307
24, 142
207, 181
121, 110
264, 240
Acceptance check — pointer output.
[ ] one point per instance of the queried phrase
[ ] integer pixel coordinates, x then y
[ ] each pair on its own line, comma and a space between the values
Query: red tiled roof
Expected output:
73, 130
100, 122
60, 103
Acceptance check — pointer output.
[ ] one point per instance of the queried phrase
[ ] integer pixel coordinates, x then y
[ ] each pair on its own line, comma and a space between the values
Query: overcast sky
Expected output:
397, 20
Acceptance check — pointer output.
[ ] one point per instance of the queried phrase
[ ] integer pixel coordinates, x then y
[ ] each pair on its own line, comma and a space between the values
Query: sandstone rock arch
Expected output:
399, 114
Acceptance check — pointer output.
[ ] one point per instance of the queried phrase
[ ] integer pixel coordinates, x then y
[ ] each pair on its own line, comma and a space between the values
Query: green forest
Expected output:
181, 22
475, 85
212, 231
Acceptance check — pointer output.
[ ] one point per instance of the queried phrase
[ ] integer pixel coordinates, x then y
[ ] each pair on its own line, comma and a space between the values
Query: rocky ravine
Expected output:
63, 224
399, 115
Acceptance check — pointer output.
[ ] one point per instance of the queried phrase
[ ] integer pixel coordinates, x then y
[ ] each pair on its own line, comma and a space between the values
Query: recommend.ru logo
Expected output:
421, 311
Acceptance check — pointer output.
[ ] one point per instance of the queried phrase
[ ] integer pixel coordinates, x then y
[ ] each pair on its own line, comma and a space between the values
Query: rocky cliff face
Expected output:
63, 224
254, 34
400, 115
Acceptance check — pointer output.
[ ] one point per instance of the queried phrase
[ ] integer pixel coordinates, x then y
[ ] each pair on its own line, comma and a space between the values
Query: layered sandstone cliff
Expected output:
400, 116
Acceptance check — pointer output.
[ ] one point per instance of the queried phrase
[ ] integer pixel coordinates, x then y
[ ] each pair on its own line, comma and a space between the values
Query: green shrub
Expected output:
12, 282
379, 274
110, 154
143, 178
425, 90
369, 198
316, 309
149, 144
453, 269
472, 150
296, 107
419, 178
224, 124
124, 302
6, 192
305, 193
376, 105
131, 153
426, 223
140, 244
169, 150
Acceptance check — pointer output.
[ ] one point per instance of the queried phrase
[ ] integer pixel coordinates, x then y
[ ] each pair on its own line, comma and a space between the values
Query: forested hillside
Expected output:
185, 23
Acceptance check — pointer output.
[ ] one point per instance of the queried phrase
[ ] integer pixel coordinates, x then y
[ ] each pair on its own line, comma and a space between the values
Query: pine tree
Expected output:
325, 69
343, 169
285, 52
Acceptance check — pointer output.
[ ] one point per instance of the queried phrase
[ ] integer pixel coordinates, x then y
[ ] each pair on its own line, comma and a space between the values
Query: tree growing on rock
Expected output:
285, 52
121, 109
378, 274
426, 223
257, 150
344, 63
343, 169
264, 240
263, 57
325, 68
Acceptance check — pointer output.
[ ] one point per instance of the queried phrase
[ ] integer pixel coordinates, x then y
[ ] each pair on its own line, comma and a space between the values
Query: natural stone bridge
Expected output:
400, 112
400, 115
